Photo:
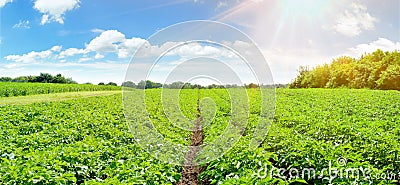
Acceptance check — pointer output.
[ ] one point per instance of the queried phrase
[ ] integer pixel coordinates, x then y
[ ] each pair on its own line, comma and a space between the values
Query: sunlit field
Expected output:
315, 133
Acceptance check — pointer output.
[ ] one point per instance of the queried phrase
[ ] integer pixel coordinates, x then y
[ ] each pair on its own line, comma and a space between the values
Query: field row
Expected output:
88, 140
9, 89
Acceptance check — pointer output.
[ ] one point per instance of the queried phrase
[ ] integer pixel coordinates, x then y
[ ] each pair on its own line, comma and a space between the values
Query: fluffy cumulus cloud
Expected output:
113, 42
4, 2
56, 48
129, 46
108, 41
71, 52
189, 50
34, 56
353, 21
195, 49
53, 11
381, 43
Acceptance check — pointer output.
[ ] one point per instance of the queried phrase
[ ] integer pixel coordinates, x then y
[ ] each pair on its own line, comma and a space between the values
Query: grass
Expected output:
10, 89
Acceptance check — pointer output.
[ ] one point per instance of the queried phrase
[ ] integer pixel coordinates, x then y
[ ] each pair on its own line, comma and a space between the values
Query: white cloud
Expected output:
195, 49
30, 57
108, 41
4, 2
34, 56
55, 10
96, 30
352, 22
382, 44
129, 46
11, 66
98, 56
45, 19
56, 48
199, 49
115, 42
83, 72
71, 52
22, 24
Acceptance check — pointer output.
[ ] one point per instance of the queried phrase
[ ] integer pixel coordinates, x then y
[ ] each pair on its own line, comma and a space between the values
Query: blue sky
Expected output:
93, 40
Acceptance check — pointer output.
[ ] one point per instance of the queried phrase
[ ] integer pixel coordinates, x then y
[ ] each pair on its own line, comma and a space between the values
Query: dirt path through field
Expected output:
191, 170
25, 100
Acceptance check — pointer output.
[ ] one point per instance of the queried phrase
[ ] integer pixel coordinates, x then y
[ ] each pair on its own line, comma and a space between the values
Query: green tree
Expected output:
176, 85
129, 84
20, 79
58, 79
298, 82
5, 79
341, 72
377, 70
112, 84
44, 78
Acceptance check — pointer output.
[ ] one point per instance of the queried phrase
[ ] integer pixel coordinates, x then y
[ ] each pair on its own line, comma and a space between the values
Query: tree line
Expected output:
143, 84
377, 70
42, 78
47, 78
147, 84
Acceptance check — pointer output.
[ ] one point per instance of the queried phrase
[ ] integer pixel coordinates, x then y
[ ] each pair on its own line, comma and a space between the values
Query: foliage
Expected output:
87, 141
109, 84
377, 70
129, 84
112, 84
42, 78
314, 129
75, 142
252, 86
8, 89
148, 84
5, 79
